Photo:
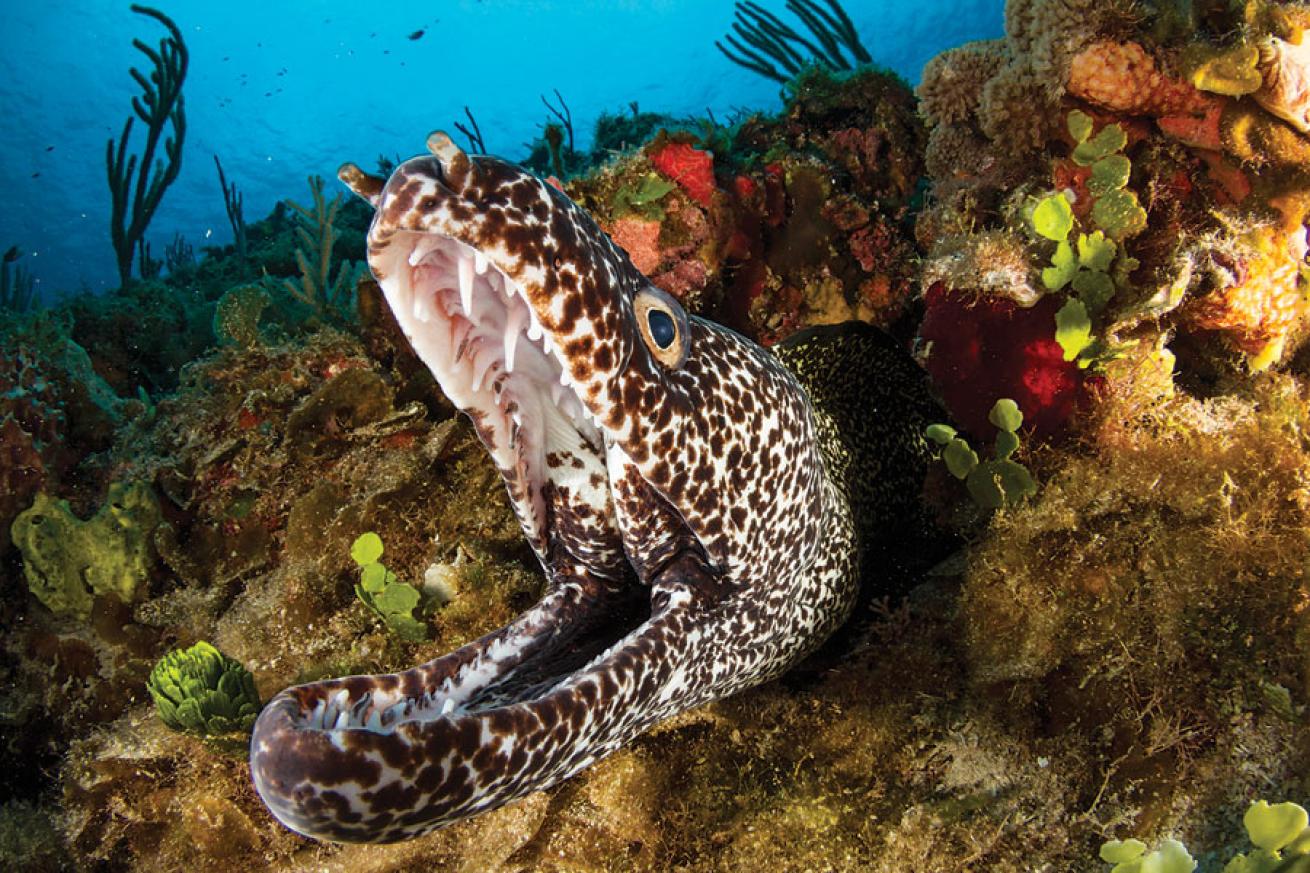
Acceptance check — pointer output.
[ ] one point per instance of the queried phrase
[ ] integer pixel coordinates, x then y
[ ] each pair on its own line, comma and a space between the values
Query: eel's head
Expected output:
626, 431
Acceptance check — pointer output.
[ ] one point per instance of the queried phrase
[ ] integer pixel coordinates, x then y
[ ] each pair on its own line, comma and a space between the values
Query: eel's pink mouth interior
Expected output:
471, 323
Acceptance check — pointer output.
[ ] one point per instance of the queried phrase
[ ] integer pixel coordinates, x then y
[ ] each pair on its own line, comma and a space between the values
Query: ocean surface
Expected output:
282, 90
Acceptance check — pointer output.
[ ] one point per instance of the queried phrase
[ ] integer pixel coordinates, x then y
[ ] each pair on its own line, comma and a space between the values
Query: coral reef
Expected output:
1145, 125
777, 223
1113, 238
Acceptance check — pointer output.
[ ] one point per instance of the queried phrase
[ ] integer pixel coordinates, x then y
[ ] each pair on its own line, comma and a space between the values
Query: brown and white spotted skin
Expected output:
665, 470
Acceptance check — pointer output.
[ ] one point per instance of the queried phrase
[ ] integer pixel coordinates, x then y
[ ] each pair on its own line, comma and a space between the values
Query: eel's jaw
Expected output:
389, 757
471, 324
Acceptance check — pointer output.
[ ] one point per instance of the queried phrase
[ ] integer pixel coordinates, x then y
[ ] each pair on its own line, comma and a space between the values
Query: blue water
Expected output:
280, 90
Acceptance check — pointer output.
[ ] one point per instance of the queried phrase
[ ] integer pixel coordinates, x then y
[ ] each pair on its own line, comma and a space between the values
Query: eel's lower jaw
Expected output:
384, 758
472, 326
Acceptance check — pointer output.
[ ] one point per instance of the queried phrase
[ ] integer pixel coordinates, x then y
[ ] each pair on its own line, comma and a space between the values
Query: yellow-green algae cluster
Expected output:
68, 561
200, 690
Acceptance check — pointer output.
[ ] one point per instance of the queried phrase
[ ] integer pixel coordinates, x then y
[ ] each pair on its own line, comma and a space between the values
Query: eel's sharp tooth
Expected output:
448, 706
394, 712
479, 263
482, 366
422, 247
513, 327
374, 721
535, 332
466, 286
511, 344
423, 301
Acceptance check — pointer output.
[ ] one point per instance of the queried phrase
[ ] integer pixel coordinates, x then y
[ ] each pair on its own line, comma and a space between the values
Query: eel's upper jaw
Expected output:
470, 323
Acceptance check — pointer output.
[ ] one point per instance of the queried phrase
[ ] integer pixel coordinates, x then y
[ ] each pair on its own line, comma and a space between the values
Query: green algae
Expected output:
200, 690
385, 595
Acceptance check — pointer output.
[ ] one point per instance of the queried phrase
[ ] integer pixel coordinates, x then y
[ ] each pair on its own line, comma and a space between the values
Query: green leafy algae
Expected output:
993, 483
378, 588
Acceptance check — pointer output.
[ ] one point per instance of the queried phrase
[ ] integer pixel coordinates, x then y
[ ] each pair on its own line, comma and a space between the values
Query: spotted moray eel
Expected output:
689, 499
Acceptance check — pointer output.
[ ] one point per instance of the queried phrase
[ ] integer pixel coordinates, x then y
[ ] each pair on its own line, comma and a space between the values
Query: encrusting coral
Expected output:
791, 221
1125, 78
1257, 298
1136, 279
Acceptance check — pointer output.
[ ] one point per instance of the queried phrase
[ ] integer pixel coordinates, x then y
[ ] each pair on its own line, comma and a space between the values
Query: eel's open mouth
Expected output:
474, 328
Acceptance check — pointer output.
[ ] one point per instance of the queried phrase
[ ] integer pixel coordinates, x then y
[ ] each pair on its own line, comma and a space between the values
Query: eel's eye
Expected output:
663, 326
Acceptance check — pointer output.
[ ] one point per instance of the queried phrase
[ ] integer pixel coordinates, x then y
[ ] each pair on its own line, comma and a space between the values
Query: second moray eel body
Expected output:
689, 503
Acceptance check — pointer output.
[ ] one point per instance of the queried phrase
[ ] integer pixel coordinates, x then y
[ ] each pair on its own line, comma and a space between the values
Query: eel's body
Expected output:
670, 475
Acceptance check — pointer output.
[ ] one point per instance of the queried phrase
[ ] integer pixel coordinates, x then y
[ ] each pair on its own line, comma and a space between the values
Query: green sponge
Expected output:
67, 561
